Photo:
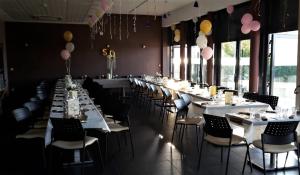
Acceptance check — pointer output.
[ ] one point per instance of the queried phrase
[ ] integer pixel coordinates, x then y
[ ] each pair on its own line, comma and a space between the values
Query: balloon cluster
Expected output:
69, 48
100, 7
249, 24
201, 41
176, 33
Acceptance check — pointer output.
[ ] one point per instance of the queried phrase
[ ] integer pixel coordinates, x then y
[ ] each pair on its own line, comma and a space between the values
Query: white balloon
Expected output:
201, 41
70, 47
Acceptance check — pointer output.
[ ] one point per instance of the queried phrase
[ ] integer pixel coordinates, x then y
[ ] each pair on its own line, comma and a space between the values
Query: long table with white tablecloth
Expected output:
94, 119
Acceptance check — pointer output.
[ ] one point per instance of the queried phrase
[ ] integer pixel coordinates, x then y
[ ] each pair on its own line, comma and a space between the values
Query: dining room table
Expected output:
254, 124
93, 118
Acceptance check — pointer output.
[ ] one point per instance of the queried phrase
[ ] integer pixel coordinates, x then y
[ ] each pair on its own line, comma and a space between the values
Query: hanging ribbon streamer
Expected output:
134, 21
110, 32
120, 25
155, 11
115, 23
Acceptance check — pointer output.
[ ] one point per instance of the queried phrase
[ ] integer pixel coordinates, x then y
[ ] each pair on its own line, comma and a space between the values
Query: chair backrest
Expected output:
221, 88
67, 129
153, 88
32, 106
182, 108
235, 92
166, 93
250, 95
121, 112
217, 126
21, 114
269, 99
280, 133
186, 98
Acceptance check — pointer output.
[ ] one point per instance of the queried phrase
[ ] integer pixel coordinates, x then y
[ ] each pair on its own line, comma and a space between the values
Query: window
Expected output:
235, 63
176, 61
283, 67
228, 62
197, 64
244, 65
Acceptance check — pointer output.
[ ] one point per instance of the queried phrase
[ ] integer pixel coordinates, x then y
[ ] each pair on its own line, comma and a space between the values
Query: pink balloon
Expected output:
246, 28
65, 54
247, 18
255, 25
104, 5
230, 9
207, 53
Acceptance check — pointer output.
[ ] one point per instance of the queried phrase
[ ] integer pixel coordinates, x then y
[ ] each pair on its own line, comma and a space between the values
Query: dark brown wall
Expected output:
34, 50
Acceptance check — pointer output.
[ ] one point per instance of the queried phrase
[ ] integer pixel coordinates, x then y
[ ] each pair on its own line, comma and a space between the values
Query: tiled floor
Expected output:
153, 155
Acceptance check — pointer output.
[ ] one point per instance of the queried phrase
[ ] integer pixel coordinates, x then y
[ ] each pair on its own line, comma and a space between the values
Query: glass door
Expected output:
283, 67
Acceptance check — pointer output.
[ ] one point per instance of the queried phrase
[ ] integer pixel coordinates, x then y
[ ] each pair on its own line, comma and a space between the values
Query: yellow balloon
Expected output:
205, 26
68, 36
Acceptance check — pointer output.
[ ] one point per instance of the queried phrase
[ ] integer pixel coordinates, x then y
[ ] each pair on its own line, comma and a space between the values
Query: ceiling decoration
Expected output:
78, 11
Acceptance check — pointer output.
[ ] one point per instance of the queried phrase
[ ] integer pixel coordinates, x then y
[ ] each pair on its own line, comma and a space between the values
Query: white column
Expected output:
298, 62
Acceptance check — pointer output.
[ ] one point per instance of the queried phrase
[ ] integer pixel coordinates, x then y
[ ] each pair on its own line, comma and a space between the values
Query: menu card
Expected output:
73, 107
228, 98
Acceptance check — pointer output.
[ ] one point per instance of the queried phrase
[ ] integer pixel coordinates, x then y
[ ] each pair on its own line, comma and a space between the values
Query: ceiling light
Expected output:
196, 4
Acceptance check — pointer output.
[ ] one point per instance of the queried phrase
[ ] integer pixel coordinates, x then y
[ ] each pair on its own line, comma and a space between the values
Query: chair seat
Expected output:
111, 120
31, 134
189, 121
268, 148
41, 124
116, 127
74, 144
224, 141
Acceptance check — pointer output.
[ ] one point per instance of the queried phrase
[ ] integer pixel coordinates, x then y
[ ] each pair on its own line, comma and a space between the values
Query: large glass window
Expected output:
228, 62
197, 65
175, 62
235, 63
244, 65
283, 67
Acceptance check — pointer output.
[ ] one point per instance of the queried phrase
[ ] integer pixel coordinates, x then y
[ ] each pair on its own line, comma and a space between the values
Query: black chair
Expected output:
167, 103
278, 137
268, 99
24, 132
235, 92
218, 132
121, 115
251, 96
222, 88
183, 120
68, 134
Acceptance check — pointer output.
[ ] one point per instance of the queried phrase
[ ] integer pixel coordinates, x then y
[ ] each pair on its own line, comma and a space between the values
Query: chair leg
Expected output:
182, 134
100, 154
276, 164
131, 142
175, 126
201, 147
286, 157
228, 155
298, 153
197, 135
44, 155
221, 154
264, 162
247, 155
83, 157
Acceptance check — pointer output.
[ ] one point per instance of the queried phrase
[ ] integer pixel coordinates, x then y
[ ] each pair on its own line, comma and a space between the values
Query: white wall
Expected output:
189, 11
